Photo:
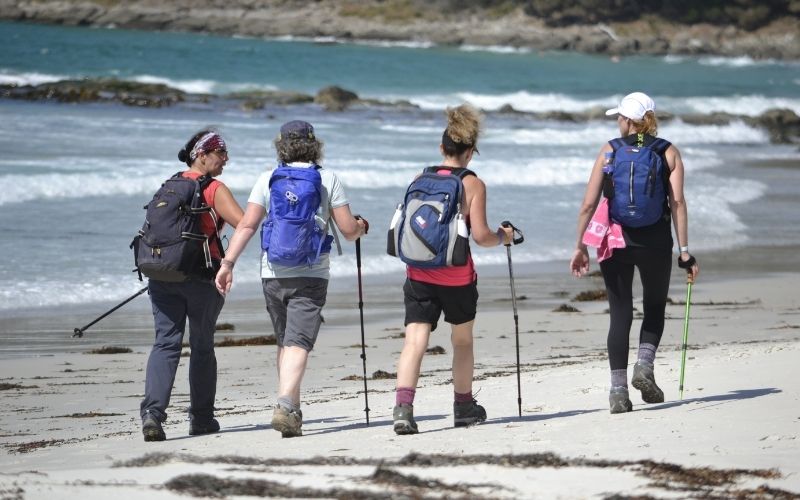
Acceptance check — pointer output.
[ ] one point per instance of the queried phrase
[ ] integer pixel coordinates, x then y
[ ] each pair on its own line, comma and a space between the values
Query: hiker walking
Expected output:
641, 178
182, 285
444, 282
299, 199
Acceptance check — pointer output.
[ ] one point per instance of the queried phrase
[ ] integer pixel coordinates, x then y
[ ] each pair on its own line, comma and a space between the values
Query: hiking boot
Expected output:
644, 380
151, 428
469, 413
404, 420
200, 427
288, 423
619, 401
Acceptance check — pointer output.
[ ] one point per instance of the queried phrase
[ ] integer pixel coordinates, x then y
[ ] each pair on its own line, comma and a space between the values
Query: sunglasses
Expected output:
221, 152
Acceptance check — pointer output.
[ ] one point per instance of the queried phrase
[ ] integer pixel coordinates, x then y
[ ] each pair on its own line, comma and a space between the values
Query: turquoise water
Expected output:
75, 177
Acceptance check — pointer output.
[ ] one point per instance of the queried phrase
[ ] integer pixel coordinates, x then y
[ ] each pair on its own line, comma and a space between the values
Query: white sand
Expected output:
741, 410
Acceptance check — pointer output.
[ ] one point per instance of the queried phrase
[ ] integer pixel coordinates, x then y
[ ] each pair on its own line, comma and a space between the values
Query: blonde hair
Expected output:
647, 125
463, 128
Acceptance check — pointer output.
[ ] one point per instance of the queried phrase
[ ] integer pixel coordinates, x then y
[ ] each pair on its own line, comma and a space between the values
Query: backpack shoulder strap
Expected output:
616, 143
464, 172
660, 146
459, 172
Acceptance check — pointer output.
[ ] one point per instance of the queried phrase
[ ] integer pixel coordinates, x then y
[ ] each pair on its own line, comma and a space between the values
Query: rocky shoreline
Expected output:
782, 125
481, 27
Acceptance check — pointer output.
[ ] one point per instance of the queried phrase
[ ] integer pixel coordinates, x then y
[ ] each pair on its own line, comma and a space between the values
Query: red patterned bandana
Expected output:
207, 143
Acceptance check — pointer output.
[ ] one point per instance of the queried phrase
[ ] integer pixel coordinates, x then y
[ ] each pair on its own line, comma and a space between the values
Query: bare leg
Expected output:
292, 362
416, 342
463, 357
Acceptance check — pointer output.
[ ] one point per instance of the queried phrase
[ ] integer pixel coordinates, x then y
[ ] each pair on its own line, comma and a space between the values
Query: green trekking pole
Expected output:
685, 344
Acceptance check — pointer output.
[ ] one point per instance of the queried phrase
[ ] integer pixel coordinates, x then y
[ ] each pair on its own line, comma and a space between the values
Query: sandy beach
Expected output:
69, 425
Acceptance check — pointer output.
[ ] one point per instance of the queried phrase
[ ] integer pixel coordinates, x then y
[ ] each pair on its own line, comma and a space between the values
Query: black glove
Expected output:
688, 263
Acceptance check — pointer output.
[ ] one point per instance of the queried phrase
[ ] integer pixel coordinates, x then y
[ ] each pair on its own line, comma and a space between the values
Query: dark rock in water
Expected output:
783, 125
259, 99
97, 90
716, 118
335, 98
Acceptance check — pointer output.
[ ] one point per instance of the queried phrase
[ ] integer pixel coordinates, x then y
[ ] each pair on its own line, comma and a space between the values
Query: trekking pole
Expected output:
516, 241
361, 313
684, 346
78, 332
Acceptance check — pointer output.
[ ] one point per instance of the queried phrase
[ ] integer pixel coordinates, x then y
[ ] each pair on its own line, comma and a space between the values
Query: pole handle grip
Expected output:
518, 236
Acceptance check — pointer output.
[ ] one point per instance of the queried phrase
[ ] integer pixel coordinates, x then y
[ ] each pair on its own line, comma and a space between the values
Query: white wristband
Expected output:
685, 249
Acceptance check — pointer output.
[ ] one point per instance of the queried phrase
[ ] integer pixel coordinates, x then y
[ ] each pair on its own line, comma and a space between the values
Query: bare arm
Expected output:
245, 230
677, 203
476, 206
350, 227
226, 206
579, 264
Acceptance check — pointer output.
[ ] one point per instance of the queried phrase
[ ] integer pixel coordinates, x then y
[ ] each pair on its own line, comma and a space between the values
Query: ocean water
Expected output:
75, 177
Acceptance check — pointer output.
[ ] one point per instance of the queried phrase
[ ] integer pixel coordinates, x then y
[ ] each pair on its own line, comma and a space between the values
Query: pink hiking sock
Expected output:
463, 398
405, 396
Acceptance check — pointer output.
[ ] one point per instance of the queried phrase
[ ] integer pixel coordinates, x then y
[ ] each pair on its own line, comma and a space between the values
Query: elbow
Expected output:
586, 210
485, 239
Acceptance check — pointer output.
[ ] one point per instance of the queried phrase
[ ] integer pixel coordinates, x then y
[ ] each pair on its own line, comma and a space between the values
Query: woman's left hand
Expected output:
579, 265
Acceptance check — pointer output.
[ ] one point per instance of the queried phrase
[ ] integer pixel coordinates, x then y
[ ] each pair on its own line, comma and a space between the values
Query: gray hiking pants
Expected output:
172, 304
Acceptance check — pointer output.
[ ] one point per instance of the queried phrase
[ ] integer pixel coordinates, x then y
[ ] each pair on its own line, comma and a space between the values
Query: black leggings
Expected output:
655, 267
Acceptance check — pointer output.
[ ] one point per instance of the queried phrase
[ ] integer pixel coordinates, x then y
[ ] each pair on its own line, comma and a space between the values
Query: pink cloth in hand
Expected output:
602, 233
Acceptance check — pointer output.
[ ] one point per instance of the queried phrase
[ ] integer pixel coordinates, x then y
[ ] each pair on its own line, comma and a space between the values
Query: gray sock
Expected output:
288, 404
619, 378
647, 353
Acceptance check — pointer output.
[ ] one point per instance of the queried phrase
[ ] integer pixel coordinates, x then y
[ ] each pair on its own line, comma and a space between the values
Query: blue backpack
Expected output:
638, 194
428, 229
290, 234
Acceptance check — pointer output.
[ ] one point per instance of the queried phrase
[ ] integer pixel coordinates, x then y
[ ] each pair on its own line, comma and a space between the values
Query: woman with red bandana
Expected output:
196, 299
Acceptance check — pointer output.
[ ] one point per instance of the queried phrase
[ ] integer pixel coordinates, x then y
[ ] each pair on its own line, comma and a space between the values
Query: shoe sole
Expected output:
153, 435
650, 391
466, 422
404, 427
200, 432
622, 407
286, 429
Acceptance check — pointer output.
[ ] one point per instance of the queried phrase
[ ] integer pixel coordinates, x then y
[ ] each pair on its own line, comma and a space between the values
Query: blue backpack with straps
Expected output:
290, 234
428, 229
638, 178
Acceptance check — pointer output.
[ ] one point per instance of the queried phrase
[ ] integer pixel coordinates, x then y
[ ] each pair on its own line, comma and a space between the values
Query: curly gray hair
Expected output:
293, 149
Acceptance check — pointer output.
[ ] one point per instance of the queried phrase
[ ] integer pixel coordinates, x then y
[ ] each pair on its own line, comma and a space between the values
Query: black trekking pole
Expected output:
516, 241
78, 332
361, 312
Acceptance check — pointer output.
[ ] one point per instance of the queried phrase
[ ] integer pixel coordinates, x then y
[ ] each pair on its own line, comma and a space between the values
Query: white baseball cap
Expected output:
633, 106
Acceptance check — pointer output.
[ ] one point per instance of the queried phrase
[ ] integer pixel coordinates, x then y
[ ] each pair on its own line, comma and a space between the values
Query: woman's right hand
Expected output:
224, 280
579, 265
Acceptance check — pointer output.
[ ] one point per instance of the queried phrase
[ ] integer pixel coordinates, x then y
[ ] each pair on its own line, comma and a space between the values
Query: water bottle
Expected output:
608, 171
398, 212
393, 233
608, 163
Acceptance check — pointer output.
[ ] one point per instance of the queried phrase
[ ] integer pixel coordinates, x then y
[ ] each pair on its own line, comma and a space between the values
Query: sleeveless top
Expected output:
207, 221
